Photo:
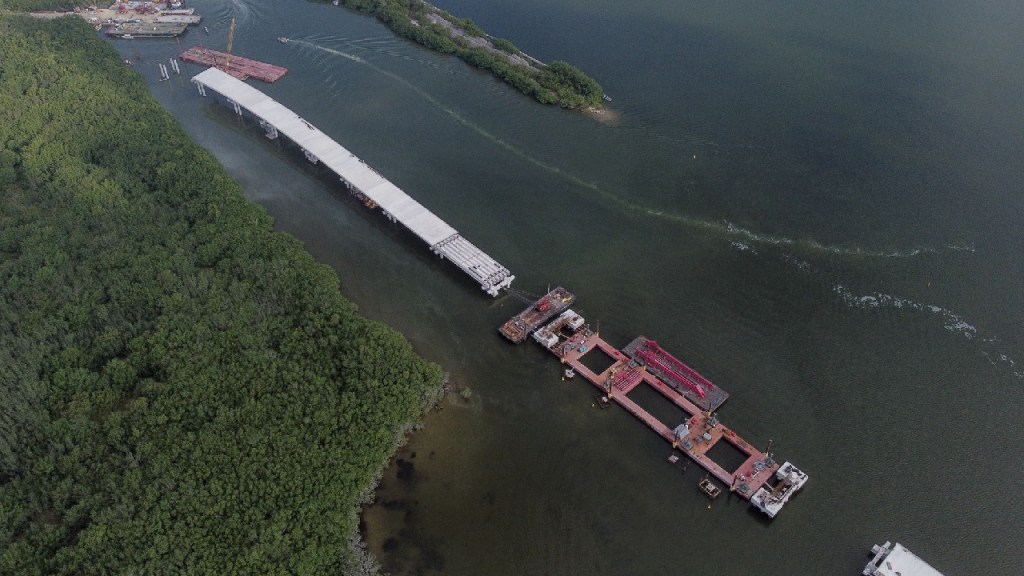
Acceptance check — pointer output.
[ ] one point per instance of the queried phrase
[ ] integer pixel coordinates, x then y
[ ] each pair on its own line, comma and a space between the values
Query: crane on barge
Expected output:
231, 41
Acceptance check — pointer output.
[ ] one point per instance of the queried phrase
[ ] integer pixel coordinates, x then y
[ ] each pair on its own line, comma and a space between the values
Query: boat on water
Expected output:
282, 39
790, 480
708, 488
126, 36
890, 559
518, 327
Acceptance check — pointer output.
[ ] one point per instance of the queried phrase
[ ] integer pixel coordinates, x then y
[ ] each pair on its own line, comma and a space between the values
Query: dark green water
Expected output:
818, 207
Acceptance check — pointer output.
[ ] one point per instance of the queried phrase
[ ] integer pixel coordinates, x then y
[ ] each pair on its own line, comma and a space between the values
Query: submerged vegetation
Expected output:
555, 83
183, 389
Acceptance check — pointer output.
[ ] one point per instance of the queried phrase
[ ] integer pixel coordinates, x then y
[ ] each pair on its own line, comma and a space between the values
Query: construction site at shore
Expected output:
131, 20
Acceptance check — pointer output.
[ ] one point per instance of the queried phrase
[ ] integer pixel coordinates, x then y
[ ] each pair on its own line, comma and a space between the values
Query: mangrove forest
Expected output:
555, 83
184, 390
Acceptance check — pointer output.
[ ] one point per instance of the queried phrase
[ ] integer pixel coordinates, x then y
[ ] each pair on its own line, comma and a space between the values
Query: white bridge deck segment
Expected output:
396, 204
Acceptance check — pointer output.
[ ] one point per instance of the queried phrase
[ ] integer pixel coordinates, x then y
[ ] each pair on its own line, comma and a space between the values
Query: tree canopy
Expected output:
183, 389
557, 83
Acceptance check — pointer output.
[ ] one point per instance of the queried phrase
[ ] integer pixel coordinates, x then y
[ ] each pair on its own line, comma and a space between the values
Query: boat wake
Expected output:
379, 45
951, 321
724, 229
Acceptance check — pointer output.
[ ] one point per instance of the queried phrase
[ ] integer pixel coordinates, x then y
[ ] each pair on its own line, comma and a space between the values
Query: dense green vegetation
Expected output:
556, 83
183, 390
29, 5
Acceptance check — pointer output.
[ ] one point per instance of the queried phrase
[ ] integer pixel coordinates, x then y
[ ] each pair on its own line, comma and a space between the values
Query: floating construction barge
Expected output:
237, 66
521, 325
895, 560
685, 380
759, 478
146, 30
179, 19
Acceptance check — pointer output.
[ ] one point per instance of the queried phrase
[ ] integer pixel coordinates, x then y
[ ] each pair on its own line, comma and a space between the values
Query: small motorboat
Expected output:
282, 39
709, 489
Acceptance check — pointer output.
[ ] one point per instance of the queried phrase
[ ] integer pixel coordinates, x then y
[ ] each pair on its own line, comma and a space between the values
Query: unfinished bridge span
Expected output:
277, 120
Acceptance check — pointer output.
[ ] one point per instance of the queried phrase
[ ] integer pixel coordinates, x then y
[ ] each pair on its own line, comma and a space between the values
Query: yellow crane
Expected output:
231, 40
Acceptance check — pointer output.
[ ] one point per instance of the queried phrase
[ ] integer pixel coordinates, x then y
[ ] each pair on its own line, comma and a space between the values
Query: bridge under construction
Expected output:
697, 432
276, 120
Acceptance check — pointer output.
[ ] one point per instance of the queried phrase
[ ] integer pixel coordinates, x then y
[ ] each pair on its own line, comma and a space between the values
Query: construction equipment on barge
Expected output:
896, 560
569, 338
523, 324
790, 479
146, 30
676, 374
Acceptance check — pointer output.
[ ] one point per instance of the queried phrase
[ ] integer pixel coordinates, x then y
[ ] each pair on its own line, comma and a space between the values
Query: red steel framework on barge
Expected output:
644, 362
675, 373
237, 66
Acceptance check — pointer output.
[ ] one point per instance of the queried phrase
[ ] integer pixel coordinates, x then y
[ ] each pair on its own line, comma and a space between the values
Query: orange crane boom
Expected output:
231, 40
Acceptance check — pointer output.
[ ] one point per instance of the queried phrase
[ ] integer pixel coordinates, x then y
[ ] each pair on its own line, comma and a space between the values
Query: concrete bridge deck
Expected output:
276, 119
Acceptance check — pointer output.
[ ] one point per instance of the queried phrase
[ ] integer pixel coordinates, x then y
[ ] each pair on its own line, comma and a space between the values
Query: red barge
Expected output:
523, 324
760, 479
237, 66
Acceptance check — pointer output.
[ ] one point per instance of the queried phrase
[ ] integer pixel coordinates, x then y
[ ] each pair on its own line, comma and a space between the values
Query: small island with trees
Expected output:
557, 82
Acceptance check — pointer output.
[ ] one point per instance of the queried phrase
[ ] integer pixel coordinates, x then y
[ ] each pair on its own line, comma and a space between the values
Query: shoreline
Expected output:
311, 371
555, 83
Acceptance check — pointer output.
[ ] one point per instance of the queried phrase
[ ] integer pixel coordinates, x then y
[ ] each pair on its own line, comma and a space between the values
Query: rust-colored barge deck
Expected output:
644, 362
694, 437
517, 328
237, 66
675, 373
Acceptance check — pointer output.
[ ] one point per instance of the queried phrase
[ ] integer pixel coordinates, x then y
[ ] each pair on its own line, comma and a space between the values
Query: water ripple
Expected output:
951, 321
724, 229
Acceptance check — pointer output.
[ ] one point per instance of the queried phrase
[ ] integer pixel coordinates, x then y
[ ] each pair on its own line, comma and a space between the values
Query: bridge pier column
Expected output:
310, 156
238, 109
202, 89
271, 132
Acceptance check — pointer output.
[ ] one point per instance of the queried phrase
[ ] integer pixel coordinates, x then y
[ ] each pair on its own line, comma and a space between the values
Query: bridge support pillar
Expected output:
271, 132
238, 109
202, 89
310, 156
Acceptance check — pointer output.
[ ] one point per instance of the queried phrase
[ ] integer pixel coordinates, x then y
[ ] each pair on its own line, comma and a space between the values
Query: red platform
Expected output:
704, 432
238, 66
